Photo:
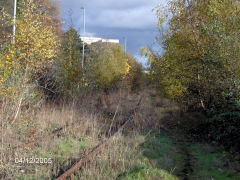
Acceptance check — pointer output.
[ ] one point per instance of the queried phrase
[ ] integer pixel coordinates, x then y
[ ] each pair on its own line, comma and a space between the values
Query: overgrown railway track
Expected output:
81, 162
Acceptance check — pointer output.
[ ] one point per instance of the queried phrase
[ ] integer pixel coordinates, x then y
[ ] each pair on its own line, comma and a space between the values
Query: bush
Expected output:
200, 60
68, 68
106, 65
134, 77
225, 127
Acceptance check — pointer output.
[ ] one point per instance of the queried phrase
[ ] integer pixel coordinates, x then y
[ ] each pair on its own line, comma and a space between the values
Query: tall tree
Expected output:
200, 63
69, 70
36, 44
47, 7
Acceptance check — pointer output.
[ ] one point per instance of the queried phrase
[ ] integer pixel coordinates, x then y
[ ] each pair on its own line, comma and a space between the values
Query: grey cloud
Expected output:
111, 13
107, 4
133, 19
136, 18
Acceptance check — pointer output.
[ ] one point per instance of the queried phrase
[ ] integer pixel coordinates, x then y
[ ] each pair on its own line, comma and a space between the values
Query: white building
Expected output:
90, 40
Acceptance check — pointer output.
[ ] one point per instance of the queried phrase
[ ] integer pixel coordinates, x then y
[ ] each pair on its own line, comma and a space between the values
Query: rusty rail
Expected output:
98, 148
50, 135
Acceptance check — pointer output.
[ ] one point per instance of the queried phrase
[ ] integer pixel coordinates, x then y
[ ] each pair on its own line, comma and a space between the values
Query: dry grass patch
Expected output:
89, 129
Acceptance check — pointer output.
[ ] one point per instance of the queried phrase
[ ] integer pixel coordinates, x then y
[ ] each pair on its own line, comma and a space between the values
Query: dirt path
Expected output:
188, 160
182, 155
187, 168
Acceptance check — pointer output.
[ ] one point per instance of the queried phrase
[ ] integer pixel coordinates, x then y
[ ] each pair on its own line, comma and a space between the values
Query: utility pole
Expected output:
14, 20
84, 31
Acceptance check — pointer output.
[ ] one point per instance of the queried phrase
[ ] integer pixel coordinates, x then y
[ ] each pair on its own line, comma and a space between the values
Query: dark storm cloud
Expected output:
132, 19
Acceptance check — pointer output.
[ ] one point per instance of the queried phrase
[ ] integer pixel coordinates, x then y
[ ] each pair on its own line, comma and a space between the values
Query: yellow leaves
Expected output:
174, 7
179, 12
7, 67
200, 42
148, 54
127, 70
175, 90
35, 36
128, 67
8, 57
35, 43
109, 64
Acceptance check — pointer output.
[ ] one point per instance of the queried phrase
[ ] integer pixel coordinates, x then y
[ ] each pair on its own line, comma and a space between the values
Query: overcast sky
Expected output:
115, 19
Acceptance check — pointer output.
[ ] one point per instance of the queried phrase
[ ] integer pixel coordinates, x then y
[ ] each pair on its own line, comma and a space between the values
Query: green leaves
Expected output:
201, 51
69, 70
227, 131
36, 44
107, 65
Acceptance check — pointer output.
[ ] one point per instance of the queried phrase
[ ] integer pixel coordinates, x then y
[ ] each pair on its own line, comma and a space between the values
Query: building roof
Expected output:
90, 40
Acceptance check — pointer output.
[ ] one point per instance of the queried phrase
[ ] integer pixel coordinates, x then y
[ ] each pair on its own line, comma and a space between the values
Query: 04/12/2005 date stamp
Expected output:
32, 160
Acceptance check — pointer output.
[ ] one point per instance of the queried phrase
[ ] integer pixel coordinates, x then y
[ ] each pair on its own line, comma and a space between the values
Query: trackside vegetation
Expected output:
178, 118
199, 66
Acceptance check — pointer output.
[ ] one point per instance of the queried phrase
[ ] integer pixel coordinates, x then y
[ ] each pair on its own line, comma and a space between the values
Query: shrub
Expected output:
68, 68
29, 53
200, 59
225, 127
106, 65
134, 77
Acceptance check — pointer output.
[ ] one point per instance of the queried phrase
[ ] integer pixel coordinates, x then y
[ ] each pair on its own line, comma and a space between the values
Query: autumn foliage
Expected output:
199, 66
107, 64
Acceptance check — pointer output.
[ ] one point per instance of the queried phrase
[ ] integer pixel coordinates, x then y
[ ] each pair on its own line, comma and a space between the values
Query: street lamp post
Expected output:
83, 35
14, 20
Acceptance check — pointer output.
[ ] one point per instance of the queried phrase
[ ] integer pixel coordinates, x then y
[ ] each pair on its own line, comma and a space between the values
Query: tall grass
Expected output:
85, 125
91, 127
